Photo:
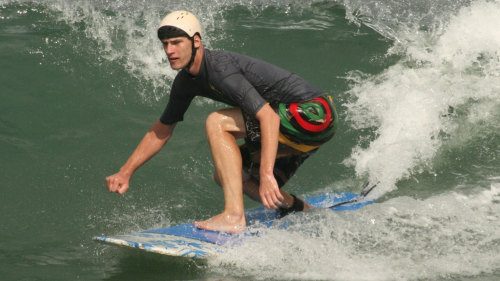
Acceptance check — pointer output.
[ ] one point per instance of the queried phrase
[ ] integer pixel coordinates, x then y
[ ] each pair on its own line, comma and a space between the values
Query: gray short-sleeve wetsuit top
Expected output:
236, 80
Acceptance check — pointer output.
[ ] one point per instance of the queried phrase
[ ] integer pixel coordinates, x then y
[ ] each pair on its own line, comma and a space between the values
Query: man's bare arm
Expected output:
269, 126
152, 143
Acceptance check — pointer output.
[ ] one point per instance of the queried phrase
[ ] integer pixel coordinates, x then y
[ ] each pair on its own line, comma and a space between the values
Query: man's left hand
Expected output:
270, 193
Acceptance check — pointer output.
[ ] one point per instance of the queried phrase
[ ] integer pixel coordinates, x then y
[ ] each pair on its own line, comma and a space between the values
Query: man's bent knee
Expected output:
226, 120
214, 122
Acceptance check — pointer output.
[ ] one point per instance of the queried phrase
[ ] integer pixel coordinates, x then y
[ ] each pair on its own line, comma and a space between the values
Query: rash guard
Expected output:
236, 80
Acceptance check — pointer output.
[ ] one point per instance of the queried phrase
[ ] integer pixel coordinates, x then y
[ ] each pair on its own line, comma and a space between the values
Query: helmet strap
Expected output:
193, 54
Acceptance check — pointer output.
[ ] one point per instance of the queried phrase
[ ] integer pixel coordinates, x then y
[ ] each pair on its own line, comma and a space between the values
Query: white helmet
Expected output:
179, 23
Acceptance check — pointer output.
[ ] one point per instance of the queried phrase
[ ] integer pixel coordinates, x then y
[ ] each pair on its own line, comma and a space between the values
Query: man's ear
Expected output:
197, 41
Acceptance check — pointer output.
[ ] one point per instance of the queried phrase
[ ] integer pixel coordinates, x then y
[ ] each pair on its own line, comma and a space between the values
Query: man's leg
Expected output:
287, 162
251, 189
223, 128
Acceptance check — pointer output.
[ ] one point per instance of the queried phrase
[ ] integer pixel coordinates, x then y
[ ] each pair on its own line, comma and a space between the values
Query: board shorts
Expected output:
304, 127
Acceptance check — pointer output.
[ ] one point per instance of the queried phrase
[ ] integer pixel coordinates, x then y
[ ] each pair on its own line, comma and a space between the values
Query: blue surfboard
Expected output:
187, 241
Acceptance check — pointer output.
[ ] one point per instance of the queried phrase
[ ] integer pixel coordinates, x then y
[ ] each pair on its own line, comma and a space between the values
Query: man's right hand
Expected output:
118, 183
152, 142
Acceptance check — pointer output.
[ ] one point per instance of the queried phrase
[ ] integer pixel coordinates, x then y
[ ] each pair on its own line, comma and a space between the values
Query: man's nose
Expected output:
169, 49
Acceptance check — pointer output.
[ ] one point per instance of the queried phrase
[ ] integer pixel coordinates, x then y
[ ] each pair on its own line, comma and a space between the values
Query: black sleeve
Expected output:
243, 93
178, 103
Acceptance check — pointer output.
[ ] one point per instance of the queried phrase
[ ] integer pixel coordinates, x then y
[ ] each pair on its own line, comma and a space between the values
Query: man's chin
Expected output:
176, 66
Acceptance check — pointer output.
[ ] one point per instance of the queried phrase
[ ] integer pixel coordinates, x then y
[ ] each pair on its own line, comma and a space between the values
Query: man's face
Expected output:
178, 50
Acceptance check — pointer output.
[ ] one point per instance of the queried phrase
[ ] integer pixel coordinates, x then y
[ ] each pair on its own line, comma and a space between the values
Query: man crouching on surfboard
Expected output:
282, 118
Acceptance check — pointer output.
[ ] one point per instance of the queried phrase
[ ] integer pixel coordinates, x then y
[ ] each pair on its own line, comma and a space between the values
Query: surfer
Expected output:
281, 117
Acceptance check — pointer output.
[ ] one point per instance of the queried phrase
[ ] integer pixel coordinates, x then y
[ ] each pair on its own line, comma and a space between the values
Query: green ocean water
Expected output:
416, 84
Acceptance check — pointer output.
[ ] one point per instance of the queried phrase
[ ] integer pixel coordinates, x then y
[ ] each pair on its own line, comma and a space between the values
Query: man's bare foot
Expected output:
223, 223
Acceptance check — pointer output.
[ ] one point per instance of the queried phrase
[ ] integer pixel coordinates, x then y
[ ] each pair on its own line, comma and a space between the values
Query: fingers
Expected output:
112, 183
272, 199
270, 203
116, 184
122, 189
109, 183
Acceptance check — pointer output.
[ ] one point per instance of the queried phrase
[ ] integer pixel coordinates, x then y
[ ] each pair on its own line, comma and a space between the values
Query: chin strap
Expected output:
193, 54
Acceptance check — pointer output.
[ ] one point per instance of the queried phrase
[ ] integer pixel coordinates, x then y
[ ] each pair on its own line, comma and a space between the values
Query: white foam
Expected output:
406, 104
401, 239
125, 32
